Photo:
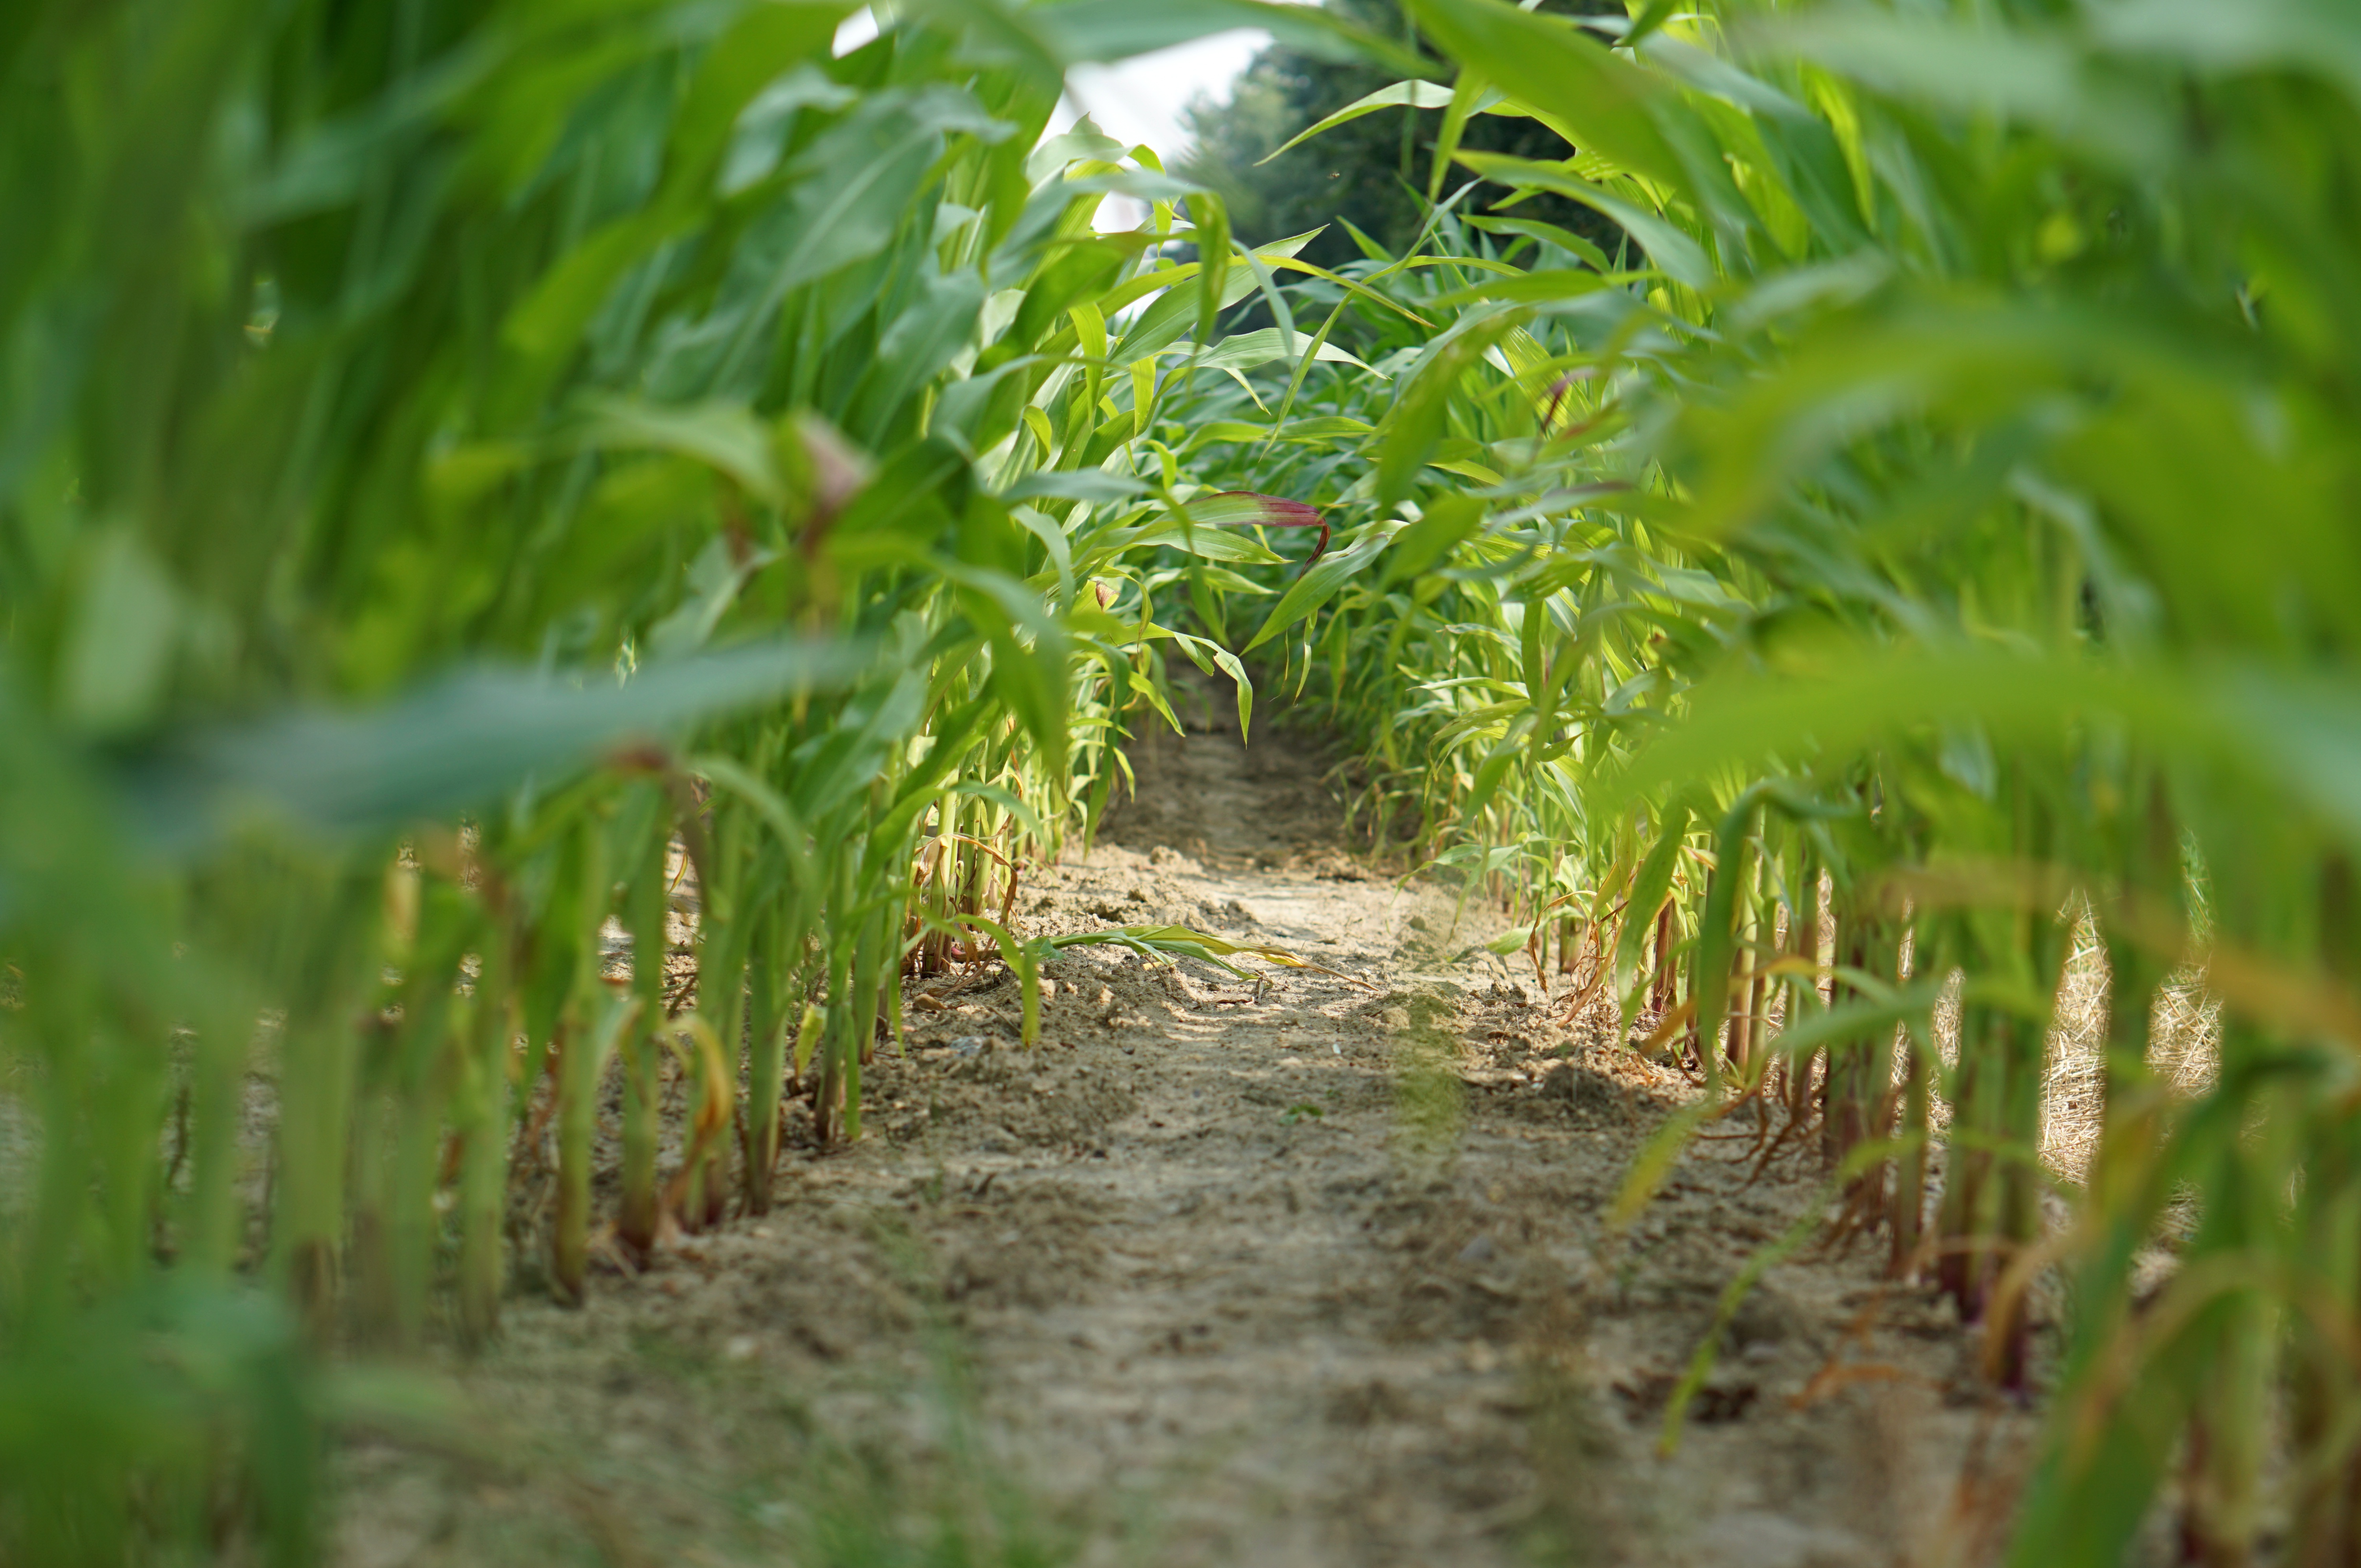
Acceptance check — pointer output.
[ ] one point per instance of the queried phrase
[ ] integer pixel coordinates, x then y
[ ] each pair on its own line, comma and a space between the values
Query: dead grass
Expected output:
2184, 1051
2184, 1046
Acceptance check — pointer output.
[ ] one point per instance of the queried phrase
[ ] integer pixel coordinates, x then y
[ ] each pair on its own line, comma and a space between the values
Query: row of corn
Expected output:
556, 552
556, 544
1919, 520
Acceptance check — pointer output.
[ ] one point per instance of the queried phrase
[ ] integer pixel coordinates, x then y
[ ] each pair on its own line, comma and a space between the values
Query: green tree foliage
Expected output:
1371, 172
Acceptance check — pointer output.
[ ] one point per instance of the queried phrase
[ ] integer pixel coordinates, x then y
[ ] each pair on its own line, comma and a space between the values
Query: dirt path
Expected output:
1310, 1275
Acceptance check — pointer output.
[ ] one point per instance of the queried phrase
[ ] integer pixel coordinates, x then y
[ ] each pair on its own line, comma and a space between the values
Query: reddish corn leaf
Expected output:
1250, 508
1561, 387
834, 473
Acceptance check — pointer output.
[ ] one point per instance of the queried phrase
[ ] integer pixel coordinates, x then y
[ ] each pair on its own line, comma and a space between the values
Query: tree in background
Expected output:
1372, 173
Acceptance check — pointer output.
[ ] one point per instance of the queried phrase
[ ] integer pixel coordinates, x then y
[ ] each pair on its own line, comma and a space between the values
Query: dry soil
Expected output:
1315, 1271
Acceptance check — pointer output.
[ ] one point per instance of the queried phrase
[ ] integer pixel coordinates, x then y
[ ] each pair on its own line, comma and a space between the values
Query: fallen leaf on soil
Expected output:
1183, 942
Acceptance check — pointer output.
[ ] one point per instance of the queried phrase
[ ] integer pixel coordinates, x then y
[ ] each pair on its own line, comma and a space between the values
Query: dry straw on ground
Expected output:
2184, 1051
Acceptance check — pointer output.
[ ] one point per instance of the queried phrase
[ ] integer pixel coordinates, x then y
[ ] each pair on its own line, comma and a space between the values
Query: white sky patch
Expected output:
1133, 101
859, 28
1140, 99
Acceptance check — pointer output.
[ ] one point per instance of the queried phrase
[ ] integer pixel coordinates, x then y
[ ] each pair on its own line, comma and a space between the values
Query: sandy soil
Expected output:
1315, 1273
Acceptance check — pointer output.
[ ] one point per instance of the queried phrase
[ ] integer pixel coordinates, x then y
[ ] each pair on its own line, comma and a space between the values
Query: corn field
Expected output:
543, 541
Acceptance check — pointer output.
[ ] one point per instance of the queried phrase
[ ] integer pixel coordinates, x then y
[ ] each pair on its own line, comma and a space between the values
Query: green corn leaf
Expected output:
1415, 94
1207, 652
1541, 288
1550, 66
1118, 30
724, 435
1185, 942
1247, 508
1673, 252
1007, 802
1857, 1020
1214, 258
1414, 428
1321, 582
1253, 350
451, 744
1651, 887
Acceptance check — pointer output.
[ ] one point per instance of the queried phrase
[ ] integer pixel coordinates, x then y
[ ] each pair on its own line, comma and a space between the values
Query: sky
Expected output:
1141, 99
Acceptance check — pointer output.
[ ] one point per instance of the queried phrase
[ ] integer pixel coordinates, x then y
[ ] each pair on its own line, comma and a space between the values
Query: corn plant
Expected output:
549, 544
1929, 523
552, 543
